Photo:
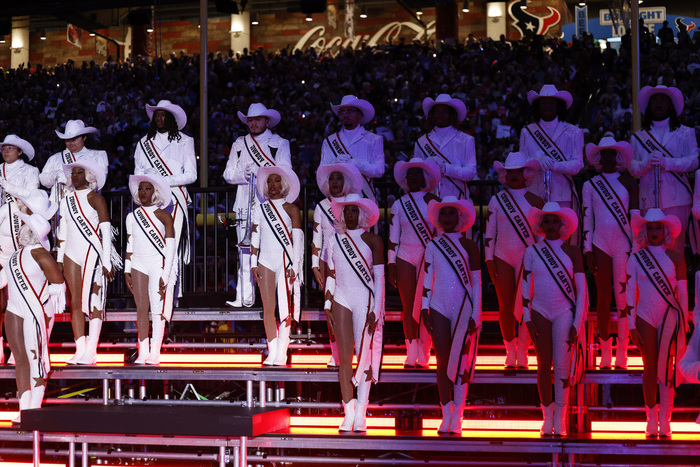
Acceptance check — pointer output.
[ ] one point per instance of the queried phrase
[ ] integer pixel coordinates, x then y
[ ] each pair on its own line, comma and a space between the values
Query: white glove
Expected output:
57, 299
657, 159
169, 259
343, 158
546, 163
248, 171
106, 233
297, 251
3, 182
440, 163
476, 297
379, 291
696, 211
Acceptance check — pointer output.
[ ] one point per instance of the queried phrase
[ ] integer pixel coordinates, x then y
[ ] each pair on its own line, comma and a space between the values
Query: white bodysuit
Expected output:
401, 232
502, 240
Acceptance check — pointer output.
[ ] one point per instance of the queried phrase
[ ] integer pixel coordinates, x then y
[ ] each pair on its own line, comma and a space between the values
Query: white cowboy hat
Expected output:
549, 90
38, 202
368, 206
445, 99
24, 145
176, 111
350, 173
514, 161
362, 105
153, 177
39, 226
674, 94
625, 153
91, 167
463, 206
75, 128
285, 172
568, 217
671, 222
431, 173
259, 110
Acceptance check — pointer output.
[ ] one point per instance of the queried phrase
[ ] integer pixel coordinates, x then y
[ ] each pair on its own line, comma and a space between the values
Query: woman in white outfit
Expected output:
608, 201
17, 179
451, 304
554, 307
355, 303
150, 269
85, 253
507, 236
658, 311
335, 181
410, 231
31, 265
664, 143
277, 248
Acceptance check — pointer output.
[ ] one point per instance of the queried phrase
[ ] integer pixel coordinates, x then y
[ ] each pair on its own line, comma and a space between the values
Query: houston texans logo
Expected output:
530, 25
688, 27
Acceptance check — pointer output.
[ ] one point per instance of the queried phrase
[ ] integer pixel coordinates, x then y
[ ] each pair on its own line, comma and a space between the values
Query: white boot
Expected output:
282, 344
89, 357
666, 395
560, 413
271, 352
523, 347
79, 351
156, 340
143, 352
360, 423
460, 397
425, 342
335, 359
11, 359
605, 353
623, 337
652, 420
24, 400
548, 415
2, 351
447, 410
511, 353
37, 396
411, 353
349, 415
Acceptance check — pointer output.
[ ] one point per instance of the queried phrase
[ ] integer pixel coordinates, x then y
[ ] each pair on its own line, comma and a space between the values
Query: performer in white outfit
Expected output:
260, 148
335, 181
150, 269
657, 312
74, 136
277, 251
451, 304
86, 255
354, 303
354, 144
608, 201
664, 143
410, 231
171, 152
35, 288
555, 304
508, 234
17, 179
557, 145
451, 149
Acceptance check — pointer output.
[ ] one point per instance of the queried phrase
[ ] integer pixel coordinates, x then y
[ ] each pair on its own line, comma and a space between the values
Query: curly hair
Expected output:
170, 127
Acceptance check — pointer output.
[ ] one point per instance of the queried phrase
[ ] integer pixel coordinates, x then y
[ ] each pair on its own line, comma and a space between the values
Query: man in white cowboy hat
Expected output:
354, 144
451, 149
664, 143
557, 145
171, 153
259, 148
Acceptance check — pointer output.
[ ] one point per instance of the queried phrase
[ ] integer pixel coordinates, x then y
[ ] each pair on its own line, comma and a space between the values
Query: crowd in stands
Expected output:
491, 77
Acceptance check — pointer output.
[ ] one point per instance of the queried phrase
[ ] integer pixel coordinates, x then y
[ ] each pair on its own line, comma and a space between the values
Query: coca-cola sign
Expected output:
391, 32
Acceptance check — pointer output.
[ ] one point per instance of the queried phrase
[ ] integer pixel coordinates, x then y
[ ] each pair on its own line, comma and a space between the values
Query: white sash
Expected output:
557, 270
430, 150
422, 229
328, 211
68, 157
516, 217
460, 361
32, 298
256, 152
614, 204
339, 148
148, 227
282, 234
656, 275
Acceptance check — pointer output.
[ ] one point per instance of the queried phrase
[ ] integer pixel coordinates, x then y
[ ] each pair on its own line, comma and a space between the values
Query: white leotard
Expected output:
502, 240
401, 232
547, 298
642, 294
